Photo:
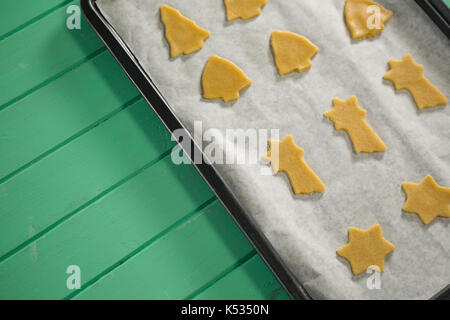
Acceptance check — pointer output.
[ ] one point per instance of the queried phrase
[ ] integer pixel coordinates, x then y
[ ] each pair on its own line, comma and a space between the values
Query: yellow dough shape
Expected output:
223, 79
292, 52
365, 18
287, 157
244, 9
407, 74
427, 199
366, 248
349, 116
183, 35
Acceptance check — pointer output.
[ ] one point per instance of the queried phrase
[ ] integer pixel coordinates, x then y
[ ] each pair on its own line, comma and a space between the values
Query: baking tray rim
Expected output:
439, 12
160, 106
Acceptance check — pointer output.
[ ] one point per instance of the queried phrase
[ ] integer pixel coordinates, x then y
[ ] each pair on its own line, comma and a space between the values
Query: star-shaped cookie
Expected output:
350, 117
427, 199
366, 248
287, 157
407, 74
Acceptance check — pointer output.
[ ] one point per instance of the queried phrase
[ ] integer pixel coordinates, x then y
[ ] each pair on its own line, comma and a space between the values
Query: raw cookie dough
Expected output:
183, 35
287, 157
365, 18
292, 52
349, 116
244, 9
428, 199
223, 79
365, 249
407, 74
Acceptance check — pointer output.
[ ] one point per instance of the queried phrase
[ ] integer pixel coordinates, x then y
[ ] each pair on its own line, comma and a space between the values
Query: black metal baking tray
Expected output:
157, 102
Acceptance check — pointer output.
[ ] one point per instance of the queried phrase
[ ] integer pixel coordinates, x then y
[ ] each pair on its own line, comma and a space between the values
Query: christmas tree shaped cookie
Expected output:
244, 9
349, 116
427, 199
183, 35
223, 79
366, 248
365, 18
287, 157
292, 52
407, 74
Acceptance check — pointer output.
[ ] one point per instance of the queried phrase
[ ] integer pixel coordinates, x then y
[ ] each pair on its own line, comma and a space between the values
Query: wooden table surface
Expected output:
86, 179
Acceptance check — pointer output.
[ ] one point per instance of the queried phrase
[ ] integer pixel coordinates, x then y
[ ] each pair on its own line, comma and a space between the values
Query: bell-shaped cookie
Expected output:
243, 9
365, 18
222, 79
292, 52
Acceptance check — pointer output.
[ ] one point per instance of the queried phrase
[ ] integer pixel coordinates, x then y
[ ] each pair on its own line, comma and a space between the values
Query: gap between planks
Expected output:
70, 139
33, 20
222, 275
53, 78
57, 223
186, 219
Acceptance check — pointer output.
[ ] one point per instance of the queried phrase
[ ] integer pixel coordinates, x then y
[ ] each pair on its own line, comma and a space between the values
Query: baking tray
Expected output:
437, 10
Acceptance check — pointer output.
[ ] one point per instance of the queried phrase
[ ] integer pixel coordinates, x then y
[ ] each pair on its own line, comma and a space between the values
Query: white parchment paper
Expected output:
362, 190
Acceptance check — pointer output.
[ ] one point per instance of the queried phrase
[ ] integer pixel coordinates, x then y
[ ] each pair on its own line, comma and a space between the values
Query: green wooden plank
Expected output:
65, 180
61, 109
105, 232
447, 2
178, 264
40, 52
251, 281
21, 12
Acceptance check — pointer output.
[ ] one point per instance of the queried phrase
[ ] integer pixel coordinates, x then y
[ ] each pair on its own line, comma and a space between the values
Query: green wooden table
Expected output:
86, 180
